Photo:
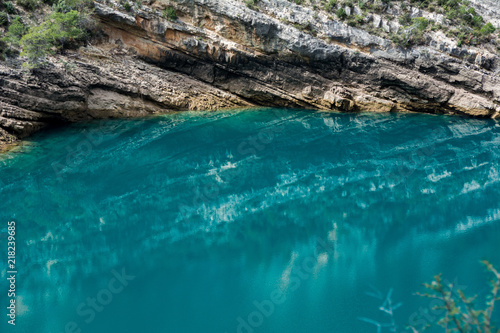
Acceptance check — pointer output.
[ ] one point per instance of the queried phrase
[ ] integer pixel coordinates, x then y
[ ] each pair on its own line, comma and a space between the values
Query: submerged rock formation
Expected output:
221, 53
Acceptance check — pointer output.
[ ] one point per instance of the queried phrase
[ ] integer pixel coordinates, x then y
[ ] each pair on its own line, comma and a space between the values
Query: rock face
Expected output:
488, 9
220, 54
98, 86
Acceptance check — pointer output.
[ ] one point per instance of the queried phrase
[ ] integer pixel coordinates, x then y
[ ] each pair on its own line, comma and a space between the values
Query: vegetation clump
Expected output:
341, 13
170, 13
4, 18
28, 4
461, 21
16, 30
330, 5
127, 6
487, 29
9, 8
252, 4
66, 26
58, 31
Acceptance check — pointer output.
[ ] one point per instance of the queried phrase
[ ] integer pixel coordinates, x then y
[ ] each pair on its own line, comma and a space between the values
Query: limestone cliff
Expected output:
221, 53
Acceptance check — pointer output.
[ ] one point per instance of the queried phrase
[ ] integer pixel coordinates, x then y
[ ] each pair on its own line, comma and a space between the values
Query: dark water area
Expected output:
263, 220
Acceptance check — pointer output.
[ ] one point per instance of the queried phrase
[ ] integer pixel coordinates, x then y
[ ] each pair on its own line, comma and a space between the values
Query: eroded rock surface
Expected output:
98, 85
220, 54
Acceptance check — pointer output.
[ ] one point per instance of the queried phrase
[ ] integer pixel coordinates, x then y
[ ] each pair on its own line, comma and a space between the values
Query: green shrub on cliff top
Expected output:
330, 5
487, 29
4, 18
16, 30
462, 18
252, 4
9, 8
341, 14
421, 23
28, 4
58, 31
170, 13
127, 6
64, 6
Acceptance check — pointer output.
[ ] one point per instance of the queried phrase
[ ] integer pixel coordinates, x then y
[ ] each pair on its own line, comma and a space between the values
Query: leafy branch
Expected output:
462, 313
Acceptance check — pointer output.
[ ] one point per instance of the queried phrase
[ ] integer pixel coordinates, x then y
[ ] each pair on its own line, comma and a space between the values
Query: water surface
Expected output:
262, 220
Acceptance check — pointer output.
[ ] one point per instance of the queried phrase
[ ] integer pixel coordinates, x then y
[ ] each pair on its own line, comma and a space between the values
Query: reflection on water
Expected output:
248, 221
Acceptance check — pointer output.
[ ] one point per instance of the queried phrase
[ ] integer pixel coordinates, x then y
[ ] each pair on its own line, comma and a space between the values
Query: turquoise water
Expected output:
247, 221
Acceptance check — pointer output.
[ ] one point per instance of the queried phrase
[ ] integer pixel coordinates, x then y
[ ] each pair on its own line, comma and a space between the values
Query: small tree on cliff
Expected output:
60, 30
16, 30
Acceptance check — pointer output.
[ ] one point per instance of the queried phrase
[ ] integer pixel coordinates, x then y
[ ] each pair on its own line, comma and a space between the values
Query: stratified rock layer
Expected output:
97, 86
221, 54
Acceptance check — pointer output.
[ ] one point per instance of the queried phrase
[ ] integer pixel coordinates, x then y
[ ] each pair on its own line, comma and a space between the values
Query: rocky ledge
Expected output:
100, 83
223, 54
